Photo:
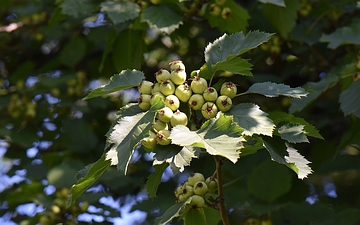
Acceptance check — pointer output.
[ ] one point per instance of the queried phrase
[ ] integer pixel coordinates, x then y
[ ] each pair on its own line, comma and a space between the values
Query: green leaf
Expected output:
62, 176
350, 99
73, 52
282, 18
293, 133
238, 20
268, 181
288, 156
162, 17
343, 35
154, 179
120, 11
318, 88
281, 117
235, 65
123, 80
274, 2
128, 50
219, 136
195, 217
173, 212
254, 121
228, 47
270, 89
77, 8
127, 131
94, 171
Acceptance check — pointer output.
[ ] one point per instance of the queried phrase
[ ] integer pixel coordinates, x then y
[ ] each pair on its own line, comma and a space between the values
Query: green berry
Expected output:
196, 101
229, 89
153, 96
209, 110
162, 137
198, 85
215, 9
155, 88
195, 177
211, 184
144, 101
210, 94
145, 87
160, 125
226, 13
179, 118
224, 103
172, 102
200, 188
167, 87
178, 76
162, 75
183, 92
165, 114
197, 201
149, 142
176, 65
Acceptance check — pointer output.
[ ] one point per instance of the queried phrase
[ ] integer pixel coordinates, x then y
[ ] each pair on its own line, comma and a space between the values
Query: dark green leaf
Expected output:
350, 99
73, 52
94, 172
62, 176
173, 212
162, 17
269, 181
123, 80
282, 18
120, 11
77, 8
235, 65
195, 217
154, 179
274, 90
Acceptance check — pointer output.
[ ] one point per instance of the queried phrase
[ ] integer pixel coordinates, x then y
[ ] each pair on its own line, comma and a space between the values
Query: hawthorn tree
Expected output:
215, 112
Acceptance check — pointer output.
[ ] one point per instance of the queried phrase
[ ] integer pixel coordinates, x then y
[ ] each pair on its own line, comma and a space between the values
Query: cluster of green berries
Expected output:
173, 88
196, 188
217, 8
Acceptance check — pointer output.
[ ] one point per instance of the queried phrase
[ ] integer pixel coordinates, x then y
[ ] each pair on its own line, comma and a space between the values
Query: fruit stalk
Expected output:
222, 208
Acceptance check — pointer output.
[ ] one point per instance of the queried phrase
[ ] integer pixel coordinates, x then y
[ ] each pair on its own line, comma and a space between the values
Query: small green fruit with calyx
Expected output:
224, 103
144, 101
162, 75
200, 188
195, 177
167, 87
226, 13
211, 184
196, 101
198, 85
209, 110
155, 88
197, 201
178, 76
210, 94
183, 92
160, 125
163, 137
229, 89
172, 102
176, 65
179, 118
215, 9
145, 87
165, 114
149, 142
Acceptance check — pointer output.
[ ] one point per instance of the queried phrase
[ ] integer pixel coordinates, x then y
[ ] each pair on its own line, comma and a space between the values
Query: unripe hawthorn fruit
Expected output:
209, 110
179, 118
197, 201
211, 184
224, 103
149, 142
155, 88
220, 2
188, 191
167, 87
183, 92
165, 114
198, 85
179, 190
144, 101
215, 9
160, 125
229, 89
172, 102
163, 137
162, 75
153, 96
200, 188
178, 76
194, 73
176, 64
195, 177
210, 94
196, 101
226, 13
145, 87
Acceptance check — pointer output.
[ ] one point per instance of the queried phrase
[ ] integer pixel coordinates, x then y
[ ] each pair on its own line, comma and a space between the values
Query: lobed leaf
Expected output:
293, 133
350, 99
270, 89
219, 136
162, 17
127, 131
120, 12
154, 179
123, 80
252, 119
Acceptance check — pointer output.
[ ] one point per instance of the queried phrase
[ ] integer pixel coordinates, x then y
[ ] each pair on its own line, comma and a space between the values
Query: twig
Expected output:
222, 208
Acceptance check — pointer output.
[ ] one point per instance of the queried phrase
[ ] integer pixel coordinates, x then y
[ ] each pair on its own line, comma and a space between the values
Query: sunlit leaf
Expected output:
274, 2
293, 133
219, 136
154, 179
162, 17
282, 18
235, 65
298, 162
350, 99
270, 89
120, 11
123, 80
129, 128
254, 121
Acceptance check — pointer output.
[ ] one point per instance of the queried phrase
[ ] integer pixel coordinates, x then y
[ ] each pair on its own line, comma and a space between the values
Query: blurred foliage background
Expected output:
53, 53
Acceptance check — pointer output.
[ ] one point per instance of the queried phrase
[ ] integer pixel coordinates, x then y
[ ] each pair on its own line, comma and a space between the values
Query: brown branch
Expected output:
222, 208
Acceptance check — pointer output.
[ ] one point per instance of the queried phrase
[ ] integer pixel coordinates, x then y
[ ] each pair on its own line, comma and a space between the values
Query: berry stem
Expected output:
222, 208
